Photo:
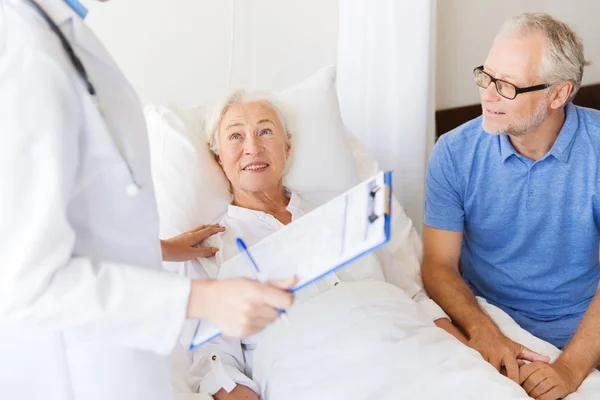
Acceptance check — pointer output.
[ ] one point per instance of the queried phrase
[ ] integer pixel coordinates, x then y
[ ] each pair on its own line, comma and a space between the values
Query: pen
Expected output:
244, 249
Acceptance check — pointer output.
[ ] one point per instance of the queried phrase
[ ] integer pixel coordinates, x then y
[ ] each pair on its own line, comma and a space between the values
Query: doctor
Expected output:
85, 311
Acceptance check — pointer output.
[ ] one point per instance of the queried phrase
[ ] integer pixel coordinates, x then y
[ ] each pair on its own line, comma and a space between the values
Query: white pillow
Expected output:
191, 188
321, 158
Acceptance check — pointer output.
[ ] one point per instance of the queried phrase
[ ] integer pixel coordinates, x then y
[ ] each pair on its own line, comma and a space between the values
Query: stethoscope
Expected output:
133, 188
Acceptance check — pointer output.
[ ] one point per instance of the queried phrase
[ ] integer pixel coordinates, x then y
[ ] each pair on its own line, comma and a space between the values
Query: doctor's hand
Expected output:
239, 307
182, 247
503, 353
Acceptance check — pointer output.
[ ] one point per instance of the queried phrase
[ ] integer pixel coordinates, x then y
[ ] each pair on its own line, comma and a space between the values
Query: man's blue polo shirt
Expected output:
530, 229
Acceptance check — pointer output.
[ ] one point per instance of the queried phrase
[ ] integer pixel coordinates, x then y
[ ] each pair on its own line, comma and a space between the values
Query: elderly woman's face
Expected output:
253, 149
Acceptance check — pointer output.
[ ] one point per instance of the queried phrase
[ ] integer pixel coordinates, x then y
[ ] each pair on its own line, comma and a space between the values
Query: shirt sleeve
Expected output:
443, 202
219, 365
43, 284
394, 274
596, 204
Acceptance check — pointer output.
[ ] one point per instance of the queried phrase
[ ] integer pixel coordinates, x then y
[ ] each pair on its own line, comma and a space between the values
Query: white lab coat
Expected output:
85, 311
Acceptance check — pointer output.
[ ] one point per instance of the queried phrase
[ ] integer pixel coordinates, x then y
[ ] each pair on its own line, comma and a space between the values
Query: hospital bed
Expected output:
188, 193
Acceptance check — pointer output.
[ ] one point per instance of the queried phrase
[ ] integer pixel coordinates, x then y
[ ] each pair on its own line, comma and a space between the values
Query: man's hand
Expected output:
181, 247
500, 351
543, 381
239, 307
238, 393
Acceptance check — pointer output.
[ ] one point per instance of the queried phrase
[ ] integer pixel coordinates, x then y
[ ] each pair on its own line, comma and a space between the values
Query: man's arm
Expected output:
446, 287
582, 354
543, 381
443, 283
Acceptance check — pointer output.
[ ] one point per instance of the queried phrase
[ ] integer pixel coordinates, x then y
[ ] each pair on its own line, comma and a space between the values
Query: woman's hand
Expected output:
446, 325
238, 393
182, 247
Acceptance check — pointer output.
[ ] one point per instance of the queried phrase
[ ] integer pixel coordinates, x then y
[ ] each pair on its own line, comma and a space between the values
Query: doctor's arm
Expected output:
44, 285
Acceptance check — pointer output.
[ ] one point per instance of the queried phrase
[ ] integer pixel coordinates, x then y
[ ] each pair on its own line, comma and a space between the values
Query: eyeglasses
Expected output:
504, 89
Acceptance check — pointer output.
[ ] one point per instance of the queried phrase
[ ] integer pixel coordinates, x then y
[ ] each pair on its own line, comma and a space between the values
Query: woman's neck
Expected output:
273, 202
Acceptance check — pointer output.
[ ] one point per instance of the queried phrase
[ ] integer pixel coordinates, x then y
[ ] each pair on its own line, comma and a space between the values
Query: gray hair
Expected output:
563, 58
214, 118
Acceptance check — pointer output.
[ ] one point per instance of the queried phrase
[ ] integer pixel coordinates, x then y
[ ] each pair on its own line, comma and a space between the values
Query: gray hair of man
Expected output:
214, 118
563, 58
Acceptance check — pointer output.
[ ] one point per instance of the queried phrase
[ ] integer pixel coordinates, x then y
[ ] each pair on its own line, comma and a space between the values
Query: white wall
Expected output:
179, 50
466, 29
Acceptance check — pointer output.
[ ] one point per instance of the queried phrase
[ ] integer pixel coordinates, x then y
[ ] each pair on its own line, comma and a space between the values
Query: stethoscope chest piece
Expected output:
132, 190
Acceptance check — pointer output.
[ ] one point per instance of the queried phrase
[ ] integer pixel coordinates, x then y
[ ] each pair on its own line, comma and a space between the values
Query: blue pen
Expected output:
244, 249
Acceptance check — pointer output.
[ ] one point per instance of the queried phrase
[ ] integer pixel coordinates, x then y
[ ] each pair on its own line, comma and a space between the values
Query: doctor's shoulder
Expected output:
29, 48
22, 29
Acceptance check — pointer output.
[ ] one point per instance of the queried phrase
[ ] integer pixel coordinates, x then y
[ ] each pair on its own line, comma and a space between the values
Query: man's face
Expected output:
516, 60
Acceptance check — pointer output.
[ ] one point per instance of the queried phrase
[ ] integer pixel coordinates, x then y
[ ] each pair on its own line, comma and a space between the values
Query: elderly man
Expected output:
512, 210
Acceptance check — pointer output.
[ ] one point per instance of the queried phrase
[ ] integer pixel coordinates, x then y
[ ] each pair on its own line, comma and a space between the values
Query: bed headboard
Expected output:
446, 120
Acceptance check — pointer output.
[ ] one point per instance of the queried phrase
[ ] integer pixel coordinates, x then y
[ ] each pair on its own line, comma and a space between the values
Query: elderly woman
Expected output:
250, 139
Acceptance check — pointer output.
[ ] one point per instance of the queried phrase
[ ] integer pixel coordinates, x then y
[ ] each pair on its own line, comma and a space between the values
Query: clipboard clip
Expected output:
372, 194
372, 215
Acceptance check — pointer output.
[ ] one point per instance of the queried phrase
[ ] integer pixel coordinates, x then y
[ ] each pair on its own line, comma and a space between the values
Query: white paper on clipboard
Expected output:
324, 240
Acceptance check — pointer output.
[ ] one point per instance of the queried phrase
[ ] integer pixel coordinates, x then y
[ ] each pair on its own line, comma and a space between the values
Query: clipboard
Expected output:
324, 240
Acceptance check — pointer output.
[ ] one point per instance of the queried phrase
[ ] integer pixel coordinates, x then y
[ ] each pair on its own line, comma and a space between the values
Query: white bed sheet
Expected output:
394, 352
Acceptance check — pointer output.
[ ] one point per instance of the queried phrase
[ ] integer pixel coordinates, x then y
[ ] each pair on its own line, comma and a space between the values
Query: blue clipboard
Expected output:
361, 225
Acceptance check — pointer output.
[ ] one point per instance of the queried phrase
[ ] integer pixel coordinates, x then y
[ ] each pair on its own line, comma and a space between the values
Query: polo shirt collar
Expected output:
506, 148
563, 144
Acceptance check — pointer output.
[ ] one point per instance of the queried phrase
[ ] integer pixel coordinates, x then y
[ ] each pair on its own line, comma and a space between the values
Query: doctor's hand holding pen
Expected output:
239, 306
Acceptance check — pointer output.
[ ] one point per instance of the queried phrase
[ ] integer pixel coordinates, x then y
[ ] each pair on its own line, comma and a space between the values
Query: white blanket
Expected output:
393, 352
